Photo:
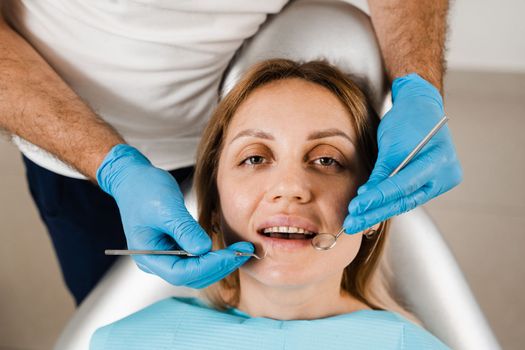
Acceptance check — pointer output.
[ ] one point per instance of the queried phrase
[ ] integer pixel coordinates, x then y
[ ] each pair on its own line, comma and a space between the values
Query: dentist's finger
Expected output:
187, 232
410, 179
200, 270
379, 173
354, 224
244, 247
143, 268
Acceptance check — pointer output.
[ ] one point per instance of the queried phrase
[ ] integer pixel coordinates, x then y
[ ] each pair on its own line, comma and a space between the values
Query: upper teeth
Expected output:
286, 229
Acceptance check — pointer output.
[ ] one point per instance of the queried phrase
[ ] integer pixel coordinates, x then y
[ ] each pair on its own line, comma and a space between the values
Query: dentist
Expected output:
117, 92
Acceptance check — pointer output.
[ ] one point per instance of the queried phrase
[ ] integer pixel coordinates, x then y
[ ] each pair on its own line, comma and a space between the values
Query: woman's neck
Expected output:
315, 301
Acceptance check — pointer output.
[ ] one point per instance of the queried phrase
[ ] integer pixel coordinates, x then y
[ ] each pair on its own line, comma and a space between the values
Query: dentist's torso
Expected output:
150, 68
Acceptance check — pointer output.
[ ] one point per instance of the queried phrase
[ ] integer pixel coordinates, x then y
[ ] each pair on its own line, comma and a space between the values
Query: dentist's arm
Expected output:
36, 104
411, 34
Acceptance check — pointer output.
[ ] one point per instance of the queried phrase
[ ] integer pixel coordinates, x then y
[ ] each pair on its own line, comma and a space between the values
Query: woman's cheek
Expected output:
351, 245
237, 205
240, 199
339, 201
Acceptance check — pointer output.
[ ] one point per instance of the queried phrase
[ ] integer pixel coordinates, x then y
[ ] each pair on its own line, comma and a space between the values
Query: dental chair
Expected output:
425, 274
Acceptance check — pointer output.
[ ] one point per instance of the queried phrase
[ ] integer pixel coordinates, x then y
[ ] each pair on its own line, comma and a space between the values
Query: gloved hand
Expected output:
154, 217
417, 108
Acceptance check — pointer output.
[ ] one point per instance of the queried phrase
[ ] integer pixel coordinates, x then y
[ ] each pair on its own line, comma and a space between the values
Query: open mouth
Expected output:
286, 232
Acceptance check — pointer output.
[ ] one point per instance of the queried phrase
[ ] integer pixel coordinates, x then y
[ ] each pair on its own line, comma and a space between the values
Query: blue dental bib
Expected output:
188, 323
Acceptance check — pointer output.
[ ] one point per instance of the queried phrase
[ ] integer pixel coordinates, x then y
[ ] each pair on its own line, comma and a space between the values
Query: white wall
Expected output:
487, 35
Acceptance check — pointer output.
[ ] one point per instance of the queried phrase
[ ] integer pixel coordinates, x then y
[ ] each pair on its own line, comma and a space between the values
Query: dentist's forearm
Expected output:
411, 34
37, 105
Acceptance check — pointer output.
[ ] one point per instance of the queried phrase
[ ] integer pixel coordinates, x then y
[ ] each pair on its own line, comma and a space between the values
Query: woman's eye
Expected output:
254, 160
327, 161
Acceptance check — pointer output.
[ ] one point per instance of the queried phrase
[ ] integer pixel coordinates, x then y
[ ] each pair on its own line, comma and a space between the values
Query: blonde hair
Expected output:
358, 277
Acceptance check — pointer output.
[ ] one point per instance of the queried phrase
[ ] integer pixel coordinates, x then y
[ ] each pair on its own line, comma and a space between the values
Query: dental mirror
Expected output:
326, 241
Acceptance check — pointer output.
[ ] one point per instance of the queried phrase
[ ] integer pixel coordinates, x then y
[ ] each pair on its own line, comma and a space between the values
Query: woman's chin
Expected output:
281, 272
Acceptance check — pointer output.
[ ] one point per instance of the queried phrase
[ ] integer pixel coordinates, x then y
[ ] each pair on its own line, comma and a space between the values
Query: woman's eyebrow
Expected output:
254, 133
313, 136
328, 133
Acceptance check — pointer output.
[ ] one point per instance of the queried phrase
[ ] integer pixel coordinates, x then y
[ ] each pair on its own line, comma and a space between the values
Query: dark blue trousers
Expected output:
82, 221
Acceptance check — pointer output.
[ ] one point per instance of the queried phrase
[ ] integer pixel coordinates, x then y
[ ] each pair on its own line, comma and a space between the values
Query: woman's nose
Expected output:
289, 184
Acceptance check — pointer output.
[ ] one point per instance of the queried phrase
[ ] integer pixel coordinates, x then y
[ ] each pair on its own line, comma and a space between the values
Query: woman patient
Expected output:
279, 161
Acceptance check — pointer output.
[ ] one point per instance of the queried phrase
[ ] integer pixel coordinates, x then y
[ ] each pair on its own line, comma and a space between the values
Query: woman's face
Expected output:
289, 163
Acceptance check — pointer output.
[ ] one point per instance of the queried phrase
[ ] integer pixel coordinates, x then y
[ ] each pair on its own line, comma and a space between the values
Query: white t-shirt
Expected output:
150, 68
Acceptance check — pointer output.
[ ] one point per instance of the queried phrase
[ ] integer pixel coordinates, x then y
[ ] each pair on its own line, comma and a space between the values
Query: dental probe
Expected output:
165, 252
325, 241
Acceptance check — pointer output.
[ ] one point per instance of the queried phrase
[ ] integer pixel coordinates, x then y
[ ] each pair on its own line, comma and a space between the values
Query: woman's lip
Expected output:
284, 244
287, 220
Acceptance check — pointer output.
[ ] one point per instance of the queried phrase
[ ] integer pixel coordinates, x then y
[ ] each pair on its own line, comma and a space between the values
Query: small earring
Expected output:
214, 228
370, 233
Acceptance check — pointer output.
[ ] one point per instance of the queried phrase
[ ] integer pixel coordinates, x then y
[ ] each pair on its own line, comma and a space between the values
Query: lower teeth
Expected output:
286, 235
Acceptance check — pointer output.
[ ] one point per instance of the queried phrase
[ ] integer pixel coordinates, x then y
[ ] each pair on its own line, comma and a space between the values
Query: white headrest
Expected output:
317, 29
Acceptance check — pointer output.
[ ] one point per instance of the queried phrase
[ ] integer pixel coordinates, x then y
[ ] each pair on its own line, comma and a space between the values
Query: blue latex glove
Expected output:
154, 217
417, 108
